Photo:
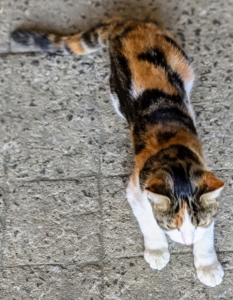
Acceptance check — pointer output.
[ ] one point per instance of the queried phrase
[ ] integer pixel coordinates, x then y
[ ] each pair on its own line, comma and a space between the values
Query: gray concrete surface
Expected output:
66, 230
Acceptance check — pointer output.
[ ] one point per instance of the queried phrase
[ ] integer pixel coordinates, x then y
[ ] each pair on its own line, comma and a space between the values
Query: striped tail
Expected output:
80, 43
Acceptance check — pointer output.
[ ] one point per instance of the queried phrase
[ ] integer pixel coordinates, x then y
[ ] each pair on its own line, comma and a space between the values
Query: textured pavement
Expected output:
66, 229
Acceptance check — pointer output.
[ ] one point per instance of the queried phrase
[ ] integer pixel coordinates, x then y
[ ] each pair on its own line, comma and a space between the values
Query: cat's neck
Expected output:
156, 138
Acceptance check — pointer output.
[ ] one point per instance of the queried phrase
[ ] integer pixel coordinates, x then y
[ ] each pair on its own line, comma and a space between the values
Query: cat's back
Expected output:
153, 57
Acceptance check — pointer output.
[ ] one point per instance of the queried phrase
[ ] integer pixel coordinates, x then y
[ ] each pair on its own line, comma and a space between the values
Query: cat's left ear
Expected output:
211, 186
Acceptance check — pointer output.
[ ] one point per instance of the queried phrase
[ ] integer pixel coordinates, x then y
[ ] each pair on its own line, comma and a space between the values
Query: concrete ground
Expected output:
66, 230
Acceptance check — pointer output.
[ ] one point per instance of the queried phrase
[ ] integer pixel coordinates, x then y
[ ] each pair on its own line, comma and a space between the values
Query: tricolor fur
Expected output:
171, 190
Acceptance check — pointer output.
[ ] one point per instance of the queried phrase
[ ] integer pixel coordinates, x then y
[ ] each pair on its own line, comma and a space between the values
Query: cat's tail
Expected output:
80, 43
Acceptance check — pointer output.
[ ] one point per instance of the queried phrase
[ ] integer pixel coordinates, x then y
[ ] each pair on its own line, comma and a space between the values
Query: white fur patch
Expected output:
187, 234
188, 87
187, 229
133, 93
191, 111
88, 49
116, 104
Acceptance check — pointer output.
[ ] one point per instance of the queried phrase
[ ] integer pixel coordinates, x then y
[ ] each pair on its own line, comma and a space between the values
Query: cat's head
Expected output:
184, 203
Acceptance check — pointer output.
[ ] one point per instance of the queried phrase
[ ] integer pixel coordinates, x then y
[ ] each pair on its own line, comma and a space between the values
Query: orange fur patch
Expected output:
211, 181
176, 60
179, 218
74, 44
154, 181
153, 145
145, 75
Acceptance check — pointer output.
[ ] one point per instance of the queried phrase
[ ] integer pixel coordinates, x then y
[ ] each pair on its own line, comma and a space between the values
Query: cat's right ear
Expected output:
159, 200
155, 193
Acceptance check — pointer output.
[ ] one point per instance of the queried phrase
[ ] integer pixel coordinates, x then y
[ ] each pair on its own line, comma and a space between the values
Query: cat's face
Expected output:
185, 226
184, 217
187, 233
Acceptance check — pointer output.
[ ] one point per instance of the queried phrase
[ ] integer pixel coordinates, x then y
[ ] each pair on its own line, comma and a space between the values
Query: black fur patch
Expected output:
168, 115
183, 188
68, 49
159, 189
22, 37
138, 148
125, 32
31, 38
41, 40
175, 160
157, 58
154, 56
176, 81
120, 81
139, 128
90, 37
165, 136
156, 97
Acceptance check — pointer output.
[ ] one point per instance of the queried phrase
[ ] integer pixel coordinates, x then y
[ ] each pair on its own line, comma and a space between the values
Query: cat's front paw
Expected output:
157, 259
210, 275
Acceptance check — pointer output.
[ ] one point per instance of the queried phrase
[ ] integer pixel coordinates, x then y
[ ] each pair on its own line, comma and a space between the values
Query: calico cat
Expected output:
171, 190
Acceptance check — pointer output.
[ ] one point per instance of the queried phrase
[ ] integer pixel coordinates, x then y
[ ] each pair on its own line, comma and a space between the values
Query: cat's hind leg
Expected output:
156, 251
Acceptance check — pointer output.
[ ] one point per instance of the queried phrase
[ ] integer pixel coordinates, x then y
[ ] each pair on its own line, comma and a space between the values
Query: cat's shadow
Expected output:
125, 9
142, 10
